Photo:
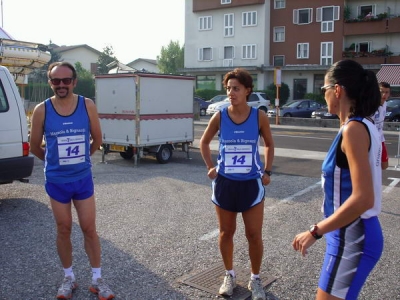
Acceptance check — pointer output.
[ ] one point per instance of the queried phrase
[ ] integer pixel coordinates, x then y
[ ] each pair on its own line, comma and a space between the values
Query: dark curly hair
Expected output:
243, 76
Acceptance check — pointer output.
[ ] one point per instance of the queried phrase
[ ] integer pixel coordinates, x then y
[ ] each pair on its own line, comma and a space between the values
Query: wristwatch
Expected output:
313, 230
269, 173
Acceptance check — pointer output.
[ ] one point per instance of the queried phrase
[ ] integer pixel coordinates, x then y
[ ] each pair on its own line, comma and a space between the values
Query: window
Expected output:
229, 54
228, 25
205, 54
302, 50
205, 82
302, 16
279, 4
249, 18
226, 1
363, 47
327, 15
279, 34
3, 101
364, 10
249, 52
326, 53
279, 60
205, 23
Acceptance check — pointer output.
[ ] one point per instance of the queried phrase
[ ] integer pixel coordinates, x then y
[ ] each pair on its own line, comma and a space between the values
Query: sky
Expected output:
133, 28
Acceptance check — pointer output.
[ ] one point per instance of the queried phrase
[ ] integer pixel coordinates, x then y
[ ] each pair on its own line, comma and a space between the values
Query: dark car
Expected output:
322, 113
203, 104
296, 108
393, 110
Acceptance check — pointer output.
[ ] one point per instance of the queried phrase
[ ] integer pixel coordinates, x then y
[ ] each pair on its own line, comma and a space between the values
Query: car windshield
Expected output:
291, 104
393, 103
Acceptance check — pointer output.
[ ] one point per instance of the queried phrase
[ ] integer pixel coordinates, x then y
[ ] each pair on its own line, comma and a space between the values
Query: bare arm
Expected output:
36, 136
95, 129
208, 135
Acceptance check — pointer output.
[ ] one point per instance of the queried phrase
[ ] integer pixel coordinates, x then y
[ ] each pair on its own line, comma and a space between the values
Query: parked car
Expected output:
322, 113
203, 104
296, 108
393, 110
217, 98
258, 100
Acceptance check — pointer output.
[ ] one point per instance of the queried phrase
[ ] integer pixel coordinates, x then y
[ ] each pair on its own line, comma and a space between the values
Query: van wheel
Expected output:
287, 115
202, 112
164, 154
128, 154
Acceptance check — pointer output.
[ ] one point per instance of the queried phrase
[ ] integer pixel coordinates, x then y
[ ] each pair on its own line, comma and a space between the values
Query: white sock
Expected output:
231, 272
254, 276
69, 272
96, 273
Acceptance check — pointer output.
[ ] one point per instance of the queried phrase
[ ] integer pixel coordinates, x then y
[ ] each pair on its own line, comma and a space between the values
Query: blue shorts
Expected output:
236, 195
351, 254
76, 190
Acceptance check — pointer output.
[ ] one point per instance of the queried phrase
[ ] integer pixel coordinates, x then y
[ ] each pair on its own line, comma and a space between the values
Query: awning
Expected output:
389, 73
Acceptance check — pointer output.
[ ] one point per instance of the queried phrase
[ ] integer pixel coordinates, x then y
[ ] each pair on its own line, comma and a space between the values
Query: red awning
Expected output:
390, 74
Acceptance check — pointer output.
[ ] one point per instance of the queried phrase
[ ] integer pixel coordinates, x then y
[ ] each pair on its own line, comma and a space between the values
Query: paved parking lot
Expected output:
157, 225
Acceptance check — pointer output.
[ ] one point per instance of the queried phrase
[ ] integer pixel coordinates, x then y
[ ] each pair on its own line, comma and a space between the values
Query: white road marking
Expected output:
302, 192
390, 187
210, 235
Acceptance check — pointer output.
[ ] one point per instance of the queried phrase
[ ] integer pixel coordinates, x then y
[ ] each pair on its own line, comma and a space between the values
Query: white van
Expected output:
15, 161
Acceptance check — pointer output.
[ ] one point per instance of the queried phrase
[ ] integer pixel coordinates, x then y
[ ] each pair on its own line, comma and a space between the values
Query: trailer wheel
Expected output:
128, 154
164, 154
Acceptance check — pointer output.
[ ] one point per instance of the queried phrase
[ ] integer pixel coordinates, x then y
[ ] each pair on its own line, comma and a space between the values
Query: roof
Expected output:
389, 73
151, 61
5, 35
68, 48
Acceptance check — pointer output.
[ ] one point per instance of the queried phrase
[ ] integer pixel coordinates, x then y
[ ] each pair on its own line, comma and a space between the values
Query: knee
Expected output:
89, 232
226, 234
254, 236
64, 230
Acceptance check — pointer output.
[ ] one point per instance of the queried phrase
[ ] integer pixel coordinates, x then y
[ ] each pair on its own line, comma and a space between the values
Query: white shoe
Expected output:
257, 290
228, 285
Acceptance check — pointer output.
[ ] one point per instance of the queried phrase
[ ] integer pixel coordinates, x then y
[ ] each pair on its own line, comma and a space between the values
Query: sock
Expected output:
69, 272
96, 272
231, 272
255, 276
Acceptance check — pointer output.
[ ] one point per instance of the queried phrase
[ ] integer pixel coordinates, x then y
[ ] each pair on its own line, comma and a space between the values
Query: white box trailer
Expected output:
145, 114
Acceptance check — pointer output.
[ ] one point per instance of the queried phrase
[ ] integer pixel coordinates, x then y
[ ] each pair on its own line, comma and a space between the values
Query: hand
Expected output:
265, 179
302, 242
212, 173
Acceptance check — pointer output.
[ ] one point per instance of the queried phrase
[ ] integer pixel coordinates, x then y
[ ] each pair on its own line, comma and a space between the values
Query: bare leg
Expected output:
227, 228
321, 295
253, 221
63, 218
86, 210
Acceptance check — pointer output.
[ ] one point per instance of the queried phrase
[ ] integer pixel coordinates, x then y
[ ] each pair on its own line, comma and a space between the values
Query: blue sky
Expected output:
134, 28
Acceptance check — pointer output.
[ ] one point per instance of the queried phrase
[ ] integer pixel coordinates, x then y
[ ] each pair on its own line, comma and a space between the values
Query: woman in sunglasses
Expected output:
68, 121
351, 180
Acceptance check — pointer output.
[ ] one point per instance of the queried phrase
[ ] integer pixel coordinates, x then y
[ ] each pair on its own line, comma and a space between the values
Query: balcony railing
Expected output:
371, 26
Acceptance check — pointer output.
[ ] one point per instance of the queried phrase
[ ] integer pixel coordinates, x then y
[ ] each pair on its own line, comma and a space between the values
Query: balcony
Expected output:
371, 26
375, 57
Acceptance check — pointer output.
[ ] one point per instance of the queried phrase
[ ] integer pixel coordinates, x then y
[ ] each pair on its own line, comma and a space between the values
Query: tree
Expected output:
284, 93
85, 85
171, 58
106, 57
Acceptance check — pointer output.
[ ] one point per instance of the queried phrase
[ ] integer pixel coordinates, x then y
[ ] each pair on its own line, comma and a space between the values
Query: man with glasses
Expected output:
379, 118
71, 128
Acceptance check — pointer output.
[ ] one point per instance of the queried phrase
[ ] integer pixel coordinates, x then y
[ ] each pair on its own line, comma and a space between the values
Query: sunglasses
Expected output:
325, 87
57, 81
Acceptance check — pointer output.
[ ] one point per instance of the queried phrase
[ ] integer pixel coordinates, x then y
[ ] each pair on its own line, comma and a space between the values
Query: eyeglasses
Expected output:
57, 81
325, 87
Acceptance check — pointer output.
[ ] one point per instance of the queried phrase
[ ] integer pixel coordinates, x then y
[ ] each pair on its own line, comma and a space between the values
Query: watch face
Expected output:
312, 228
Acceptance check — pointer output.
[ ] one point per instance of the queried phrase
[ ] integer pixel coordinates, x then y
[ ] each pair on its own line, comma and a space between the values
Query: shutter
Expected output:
336, 13
319, 14
295, 16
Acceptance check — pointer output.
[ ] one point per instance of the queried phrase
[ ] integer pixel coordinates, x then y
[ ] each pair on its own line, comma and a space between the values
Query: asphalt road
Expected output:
157, 225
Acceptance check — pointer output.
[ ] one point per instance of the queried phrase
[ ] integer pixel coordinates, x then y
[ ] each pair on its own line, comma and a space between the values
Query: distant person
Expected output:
379, 118
239, 177
352, 184
369, 15
68, 122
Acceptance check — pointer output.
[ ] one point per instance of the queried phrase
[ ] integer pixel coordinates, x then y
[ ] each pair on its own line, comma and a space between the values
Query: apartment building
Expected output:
301, 37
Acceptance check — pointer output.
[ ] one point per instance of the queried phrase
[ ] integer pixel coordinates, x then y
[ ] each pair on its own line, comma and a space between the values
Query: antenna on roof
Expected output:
2, 14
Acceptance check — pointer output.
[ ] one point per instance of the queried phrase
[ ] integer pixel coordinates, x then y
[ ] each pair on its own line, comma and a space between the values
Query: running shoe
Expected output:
257, 290
66, 288
228, 285
102, 290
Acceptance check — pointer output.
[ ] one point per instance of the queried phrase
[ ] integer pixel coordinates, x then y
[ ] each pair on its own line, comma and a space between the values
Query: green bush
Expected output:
317, 97
284, 93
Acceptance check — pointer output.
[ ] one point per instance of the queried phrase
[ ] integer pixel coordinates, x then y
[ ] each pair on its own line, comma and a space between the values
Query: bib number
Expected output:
71, 149
238, 159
